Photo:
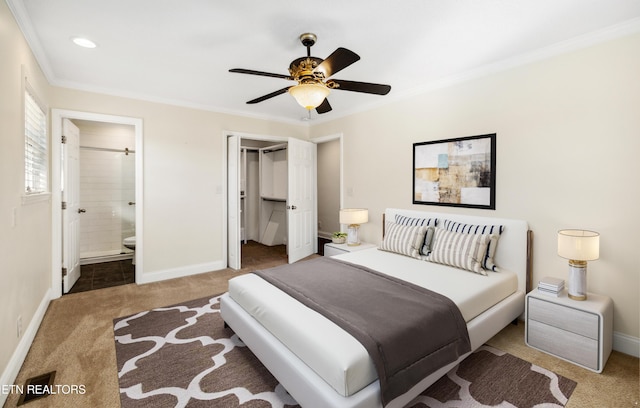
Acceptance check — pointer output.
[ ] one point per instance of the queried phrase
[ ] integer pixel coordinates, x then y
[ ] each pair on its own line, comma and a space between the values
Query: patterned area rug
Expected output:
182, 356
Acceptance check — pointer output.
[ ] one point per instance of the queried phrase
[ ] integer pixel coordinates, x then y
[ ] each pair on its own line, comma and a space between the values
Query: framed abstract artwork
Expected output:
456, 172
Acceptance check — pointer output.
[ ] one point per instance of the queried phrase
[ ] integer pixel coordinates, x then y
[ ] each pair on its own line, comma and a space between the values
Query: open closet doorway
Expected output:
271, 195
96, 200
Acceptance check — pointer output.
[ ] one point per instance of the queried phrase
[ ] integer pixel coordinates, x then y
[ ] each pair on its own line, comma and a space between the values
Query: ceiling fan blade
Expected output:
269, 96
364, 87
324, 107
267, 74
337, 61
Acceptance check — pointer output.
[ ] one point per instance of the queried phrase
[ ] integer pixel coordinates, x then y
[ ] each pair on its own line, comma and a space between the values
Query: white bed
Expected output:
321, 365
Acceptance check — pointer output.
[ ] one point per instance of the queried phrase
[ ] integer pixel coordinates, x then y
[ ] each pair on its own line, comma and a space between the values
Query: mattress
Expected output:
330, 351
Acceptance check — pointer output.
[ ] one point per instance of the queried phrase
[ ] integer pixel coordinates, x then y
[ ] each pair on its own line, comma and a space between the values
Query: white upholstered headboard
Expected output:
514, 246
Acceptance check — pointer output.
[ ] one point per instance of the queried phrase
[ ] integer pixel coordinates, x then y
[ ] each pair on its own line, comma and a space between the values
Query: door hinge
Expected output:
64, 139
64, 272
64, 205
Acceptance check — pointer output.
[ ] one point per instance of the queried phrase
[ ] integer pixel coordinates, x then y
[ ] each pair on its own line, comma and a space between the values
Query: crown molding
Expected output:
620, 30
26, 26
625, 28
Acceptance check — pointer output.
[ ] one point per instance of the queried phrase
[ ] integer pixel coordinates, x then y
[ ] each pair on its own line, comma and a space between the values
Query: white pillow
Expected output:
403, 239
460, 250
430, 223
493, 231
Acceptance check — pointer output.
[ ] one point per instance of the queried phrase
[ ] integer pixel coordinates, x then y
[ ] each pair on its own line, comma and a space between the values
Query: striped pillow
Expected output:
430, 223
403, 239
493, 231
464, 251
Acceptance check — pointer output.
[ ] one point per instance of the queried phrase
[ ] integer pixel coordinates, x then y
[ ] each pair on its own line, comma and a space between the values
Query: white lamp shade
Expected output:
309, 96
354, 216
579, 245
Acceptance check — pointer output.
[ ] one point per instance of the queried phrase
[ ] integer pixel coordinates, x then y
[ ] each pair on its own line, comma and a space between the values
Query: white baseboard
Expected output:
106, 258
180, 272
20, 353
626, 344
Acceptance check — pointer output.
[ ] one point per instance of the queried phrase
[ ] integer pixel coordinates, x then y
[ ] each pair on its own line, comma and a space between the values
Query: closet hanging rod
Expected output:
274, 149
106, 149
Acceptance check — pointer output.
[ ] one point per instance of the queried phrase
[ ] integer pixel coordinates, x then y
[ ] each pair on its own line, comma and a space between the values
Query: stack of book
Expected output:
551, 286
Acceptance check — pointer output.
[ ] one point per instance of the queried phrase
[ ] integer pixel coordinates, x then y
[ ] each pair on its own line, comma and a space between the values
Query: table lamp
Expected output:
578, 246
353, 217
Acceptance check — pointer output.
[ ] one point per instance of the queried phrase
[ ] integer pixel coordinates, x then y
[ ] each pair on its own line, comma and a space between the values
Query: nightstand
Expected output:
580, 332
332, 249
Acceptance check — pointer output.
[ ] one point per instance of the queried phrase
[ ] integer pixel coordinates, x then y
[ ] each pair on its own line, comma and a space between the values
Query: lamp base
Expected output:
578, 280
352, 235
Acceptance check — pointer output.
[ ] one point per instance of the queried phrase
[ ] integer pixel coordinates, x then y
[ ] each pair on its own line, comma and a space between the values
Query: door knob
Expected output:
81, 210
293, 207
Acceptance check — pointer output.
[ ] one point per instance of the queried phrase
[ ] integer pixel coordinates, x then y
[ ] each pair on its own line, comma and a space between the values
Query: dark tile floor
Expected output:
115, 273
104, 275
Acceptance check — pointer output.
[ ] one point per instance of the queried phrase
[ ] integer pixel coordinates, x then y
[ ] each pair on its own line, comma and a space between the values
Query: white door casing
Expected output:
71, 197
302, 213
57, 116
233, 194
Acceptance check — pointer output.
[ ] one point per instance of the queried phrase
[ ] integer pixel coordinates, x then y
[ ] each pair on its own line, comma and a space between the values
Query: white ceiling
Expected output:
180, 52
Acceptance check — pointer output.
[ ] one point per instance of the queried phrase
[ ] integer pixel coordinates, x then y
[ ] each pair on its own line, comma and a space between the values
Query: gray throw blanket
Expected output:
408, 331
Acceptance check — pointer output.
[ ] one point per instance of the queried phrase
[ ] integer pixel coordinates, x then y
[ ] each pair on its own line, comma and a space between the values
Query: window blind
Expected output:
36, 147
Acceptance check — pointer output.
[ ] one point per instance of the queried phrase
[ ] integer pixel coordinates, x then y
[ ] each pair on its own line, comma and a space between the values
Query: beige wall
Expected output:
328, 187
568, 137
25, 247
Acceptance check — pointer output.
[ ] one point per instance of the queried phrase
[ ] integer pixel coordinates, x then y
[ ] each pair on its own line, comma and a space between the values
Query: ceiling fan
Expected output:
312, 75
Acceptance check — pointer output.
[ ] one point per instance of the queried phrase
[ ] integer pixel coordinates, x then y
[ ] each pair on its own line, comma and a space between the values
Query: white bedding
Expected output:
471, 292
330, 351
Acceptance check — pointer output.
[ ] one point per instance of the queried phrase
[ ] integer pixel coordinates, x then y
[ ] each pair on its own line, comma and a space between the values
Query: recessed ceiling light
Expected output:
83, 42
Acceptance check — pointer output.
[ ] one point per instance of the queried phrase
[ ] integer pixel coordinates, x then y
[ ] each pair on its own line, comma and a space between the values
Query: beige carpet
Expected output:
76, 340
182, 355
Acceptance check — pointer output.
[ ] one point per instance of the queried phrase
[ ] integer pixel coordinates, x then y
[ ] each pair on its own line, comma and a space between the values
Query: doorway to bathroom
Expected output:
106, 204
96, 176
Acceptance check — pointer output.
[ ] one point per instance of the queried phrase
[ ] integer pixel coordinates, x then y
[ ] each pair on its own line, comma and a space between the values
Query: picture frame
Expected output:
459, 172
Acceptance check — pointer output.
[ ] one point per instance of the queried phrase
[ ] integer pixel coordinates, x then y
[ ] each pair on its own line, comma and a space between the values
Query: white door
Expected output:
301, 199
71, 199
233, 201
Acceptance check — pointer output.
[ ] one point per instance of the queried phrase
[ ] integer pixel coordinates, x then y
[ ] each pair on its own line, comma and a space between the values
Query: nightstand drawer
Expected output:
571, 346
572, 320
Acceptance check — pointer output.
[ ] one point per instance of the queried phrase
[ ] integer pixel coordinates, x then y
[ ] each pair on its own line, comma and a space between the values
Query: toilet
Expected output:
130, 242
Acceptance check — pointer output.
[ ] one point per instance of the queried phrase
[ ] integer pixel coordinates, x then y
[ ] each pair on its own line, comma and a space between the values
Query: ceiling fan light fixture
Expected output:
309, 96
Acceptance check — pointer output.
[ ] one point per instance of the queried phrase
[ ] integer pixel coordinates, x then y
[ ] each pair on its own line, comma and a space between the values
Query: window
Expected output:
36, 174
